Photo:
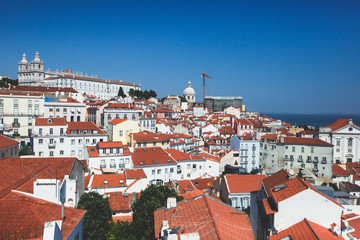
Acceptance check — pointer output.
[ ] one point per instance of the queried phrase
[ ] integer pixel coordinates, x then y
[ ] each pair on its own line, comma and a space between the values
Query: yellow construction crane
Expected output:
203, 75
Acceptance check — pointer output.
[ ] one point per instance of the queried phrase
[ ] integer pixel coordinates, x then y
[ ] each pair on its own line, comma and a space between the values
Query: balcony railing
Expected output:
102, 166
316, 161
16, 125
315, 170
291, 159
52, 145
308, 160
323, 162
113, 165
300, 160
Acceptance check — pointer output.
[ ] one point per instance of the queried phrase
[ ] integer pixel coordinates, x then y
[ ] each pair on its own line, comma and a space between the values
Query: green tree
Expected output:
25, 150
131, 92
121, 93
152, 94
146, 94
96, 220
151, 199
120, 231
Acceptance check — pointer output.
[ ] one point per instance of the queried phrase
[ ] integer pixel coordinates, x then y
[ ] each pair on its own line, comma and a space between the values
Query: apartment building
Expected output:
68, 108
17, 112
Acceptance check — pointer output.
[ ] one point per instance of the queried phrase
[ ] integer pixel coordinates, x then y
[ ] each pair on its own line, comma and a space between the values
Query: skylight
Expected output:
155, 162
141, 163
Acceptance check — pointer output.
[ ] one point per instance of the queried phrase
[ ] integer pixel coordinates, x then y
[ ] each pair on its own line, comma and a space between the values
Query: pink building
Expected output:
242, 126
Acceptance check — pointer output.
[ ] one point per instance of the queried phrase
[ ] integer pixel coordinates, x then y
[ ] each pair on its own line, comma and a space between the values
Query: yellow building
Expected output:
119, 129
18, 111
295, 130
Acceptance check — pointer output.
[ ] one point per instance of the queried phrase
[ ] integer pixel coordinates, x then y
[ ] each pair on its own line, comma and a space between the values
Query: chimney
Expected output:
350, 121
171, 202
62, 211
282, 140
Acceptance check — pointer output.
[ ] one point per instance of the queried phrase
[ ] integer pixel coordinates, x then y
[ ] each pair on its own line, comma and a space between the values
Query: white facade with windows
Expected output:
345, 136
56, 140
249, 152
34, 74
73, 111
18, 111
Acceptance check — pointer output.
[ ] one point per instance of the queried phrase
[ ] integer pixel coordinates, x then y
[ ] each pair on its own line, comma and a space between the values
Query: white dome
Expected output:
189, 93
23, 60
189, 90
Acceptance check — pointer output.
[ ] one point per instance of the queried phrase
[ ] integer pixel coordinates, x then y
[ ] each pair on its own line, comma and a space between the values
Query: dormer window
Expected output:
121, 181
106, 182
50, 121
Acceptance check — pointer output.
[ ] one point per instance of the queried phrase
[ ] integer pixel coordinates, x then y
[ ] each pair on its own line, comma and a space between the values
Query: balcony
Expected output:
299, 160
16, 125
316, 161
315, 170
52, 145
102, 166
113, 165
179, 171
323, 162
291, 159
309, 160
286, 159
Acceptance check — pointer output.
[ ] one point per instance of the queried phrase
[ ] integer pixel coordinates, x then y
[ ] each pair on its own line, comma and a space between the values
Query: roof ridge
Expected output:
211, 215
312, 230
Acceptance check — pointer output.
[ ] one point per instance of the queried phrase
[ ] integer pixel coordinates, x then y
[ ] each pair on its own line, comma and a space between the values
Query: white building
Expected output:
34, 74
54, 137
344, 134
249, 151
70, 109
108, 157
122, 111
17, 112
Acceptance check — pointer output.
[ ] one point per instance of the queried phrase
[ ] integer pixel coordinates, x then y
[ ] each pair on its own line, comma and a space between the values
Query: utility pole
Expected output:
203, 76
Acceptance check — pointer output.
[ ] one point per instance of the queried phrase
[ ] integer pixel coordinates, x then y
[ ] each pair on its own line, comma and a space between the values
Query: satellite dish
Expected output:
291, 172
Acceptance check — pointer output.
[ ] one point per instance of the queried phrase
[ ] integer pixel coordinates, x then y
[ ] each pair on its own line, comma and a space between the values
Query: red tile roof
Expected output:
50, 121
21, 172
92, 79
113, 180
115, 144
269, 136
22, 212
83, 126
151, 156
339, 171
244, 183
185, 186
277, 178
135, 173
119, 202
41, 89
124, 218
192, 194
305, 141
351, 187
203, 183
355, 224
306, 230
340, 123
7, 142
211, 218
178, 155
348, 216
117, 121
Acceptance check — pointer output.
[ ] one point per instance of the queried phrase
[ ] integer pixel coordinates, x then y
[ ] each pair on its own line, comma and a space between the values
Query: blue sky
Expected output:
283, 56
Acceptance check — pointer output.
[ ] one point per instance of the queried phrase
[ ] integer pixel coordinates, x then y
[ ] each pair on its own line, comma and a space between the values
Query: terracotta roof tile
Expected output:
117, 121
305, 141
109, 180
211, 218
83, 126
7, 142
244, 183
339, 171
306, 230
119, 202
151, 156
135, 173
340, 123
22, 212
50, 121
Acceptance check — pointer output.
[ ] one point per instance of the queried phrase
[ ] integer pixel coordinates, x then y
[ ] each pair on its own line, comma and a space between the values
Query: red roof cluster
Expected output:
210, 218
50, 121
244, 183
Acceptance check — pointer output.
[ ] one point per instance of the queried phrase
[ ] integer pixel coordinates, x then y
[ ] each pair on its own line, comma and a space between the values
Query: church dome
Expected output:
189, 93
189, 90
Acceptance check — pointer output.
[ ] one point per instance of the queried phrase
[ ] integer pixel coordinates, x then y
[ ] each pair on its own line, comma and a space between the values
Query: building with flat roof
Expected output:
218, 104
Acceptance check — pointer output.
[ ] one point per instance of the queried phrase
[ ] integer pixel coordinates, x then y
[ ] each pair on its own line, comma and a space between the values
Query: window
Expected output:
338, 142
40, 131
51, 153
40, 154
171, 170
16, 102
121, 133
302, 149
338, 150
36, 103
159, 171
80, 141
312, 149
127, 160
51, 141
11, 151
188, 166
16, 111
65, 110
350, 142
30, 122
293, 149
73, 152
61, 152
29, 103
153, 172
94, 141
57, 109
51, 110
1, 102
72, 141
51, 131
61, 131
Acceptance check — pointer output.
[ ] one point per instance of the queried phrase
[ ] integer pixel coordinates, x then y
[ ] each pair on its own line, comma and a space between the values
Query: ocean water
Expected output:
315, 120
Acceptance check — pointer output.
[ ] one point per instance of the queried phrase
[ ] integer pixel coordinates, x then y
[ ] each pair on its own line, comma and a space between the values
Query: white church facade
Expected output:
33, 74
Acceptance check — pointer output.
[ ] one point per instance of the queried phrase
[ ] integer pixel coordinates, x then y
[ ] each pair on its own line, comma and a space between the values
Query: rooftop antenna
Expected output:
203, 75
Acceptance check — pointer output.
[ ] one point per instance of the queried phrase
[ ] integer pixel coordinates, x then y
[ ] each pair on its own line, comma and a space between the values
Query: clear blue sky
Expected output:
283, 56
